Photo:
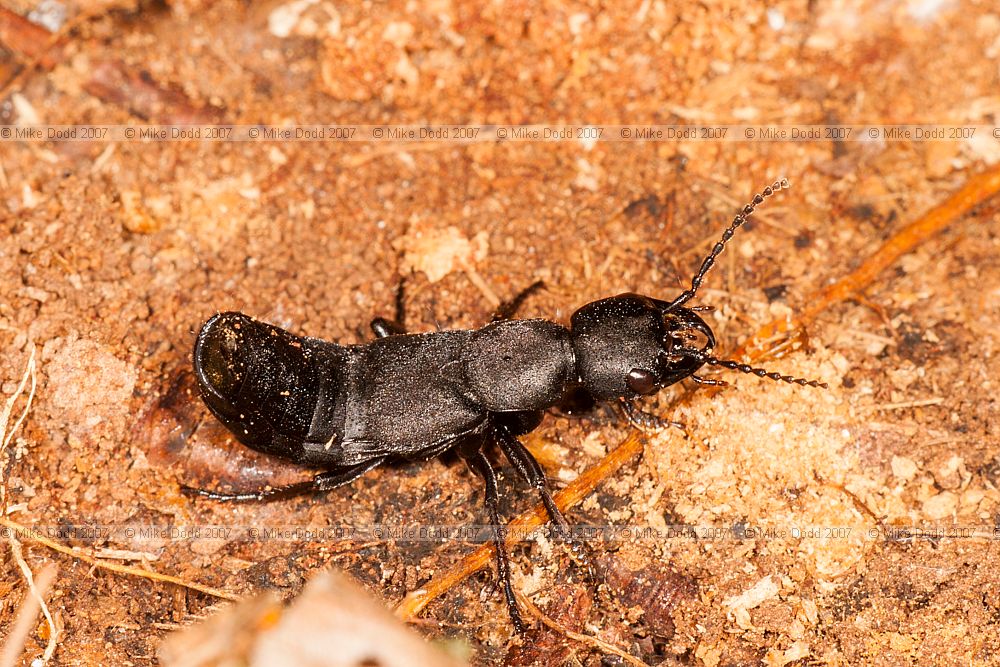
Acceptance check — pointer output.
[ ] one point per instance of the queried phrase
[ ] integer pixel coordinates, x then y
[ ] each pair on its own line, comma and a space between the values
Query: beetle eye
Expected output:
642, 381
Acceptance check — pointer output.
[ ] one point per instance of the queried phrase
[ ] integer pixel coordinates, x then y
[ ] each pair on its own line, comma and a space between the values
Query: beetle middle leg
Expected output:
474, 456
532, 472
383, 327
324, 481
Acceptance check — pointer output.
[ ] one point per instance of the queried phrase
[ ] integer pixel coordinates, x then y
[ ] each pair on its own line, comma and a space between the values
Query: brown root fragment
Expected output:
977, 190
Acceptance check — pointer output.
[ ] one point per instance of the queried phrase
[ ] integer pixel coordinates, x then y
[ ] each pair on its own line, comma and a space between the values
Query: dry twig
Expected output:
36, 593
5, 435
977, 190
28, 534
593, 642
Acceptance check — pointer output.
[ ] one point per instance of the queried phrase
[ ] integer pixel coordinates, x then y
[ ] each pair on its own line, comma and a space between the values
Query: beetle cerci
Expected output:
350, 408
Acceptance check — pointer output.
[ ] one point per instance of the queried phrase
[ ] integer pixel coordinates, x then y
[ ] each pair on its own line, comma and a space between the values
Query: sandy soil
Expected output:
112, 255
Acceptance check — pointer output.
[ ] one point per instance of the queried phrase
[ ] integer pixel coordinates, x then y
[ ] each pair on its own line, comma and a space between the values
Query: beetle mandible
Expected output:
402, 397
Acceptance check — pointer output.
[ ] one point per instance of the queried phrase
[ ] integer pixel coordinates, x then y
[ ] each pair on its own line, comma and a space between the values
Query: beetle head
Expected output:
632, 345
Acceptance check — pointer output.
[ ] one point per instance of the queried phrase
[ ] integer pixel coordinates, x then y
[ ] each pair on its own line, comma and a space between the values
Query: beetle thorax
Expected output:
516, 365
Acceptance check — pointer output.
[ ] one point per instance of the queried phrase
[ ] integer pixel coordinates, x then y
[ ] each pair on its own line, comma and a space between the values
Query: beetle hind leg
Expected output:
481, 465
325, 481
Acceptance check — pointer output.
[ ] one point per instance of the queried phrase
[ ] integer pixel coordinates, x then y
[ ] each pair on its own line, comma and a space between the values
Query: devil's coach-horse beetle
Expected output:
351, 408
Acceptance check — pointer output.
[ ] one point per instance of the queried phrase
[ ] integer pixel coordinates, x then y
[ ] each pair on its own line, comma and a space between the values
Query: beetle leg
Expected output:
325, 481
383, 327
518, 423
532, 472
506, 309
645, 421
481, 465
708, 382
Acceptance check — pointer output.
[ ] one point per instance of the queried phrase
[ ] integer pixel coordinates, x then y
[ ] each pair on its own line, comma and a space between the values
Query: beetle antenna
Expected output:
745, 368
709, 261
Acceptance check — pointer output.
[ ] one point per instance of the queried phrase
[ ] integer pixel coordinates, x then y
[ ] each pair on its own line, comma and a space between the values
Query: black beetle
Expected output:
351, 408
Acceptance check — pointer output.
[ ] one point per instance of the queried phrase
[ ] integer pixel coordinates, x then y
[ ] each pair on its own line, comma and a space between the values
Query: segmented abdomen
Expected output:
277, 392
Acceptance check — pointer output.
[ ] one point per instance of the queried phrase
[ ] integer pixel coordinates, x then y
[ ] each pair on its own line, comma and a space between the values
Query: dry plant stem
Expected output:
25, 533
576, 491
977, 190
5, 435
21, 37
491, 297
34, 599
593, 642
36, 593
906, 405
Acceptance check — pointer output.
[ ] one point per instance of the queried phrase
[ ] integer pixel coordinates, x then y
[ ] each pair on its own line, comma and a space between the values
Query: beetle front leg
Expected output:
325, 481
708, 382
481, 465
645, 421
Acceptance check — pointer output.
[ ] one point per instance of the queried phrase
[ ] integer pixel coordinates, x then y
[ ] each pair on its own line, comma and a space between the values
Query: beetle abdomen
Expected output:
274, 390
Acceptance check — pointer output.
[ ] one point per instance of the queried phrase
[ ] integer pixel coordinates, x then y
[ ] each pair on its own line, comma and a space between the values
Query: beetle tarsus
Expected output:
708, 382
